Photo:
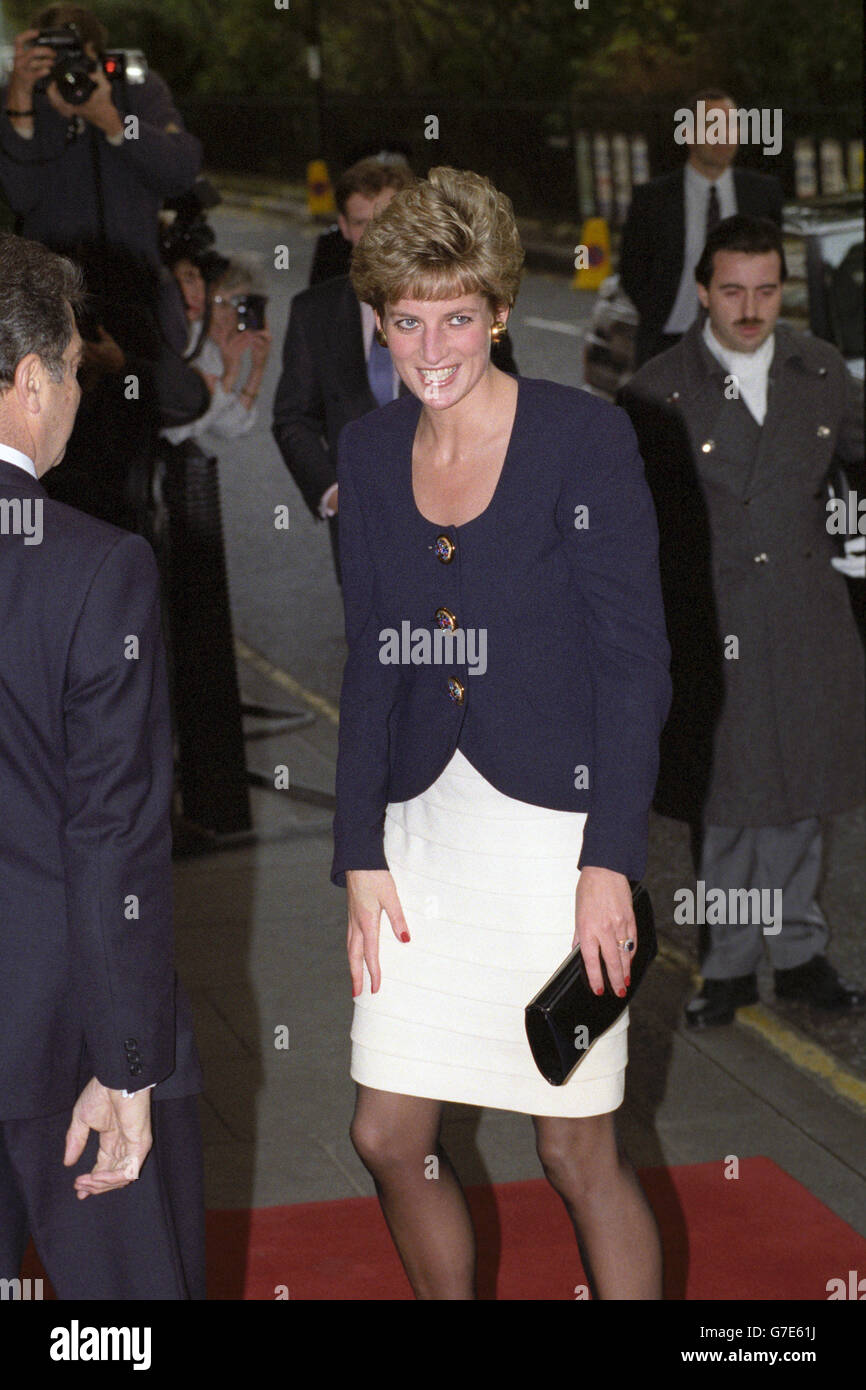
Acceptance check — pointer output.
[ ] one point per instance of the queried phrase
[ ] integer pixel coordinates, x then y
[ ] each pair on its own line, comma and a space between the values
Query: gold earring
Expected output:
380, 338
497, 331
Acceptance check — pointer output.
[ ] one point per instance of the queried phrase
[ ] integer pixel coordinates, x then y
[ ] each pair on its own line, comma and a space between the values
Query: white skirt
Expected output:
486, 884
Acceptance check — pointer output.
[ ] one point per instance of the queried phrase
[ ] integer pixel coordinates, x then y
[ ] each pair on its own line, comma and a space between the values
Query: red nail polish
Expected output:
628, 982
600, 991
404, 936
621, 993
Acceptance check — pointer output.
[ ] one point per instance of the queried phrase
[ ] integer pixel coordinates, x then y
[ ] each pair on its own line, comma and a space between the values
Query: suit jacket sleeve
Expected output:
368, 695
299, 423
117, 834
636, 253
166, 157
615, 559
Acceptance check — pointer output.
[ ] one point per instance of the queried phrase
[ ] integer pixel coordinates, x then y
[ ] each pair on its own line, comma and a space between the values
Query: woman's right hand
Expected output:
370, 892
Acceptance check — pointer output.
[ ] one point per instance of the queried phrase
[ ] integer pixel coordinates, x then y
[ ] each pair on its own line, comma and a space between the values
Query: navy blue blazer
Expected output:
87, 980
560, 573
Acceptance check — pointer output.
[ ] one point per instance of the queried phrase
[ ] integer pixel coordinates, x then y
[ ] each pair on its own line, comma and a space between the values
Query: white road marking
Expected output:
556, 326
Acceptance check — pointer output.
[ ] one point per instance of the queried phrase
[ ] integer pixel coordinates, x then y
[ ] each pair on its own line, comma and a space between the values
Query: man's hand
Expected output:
124, 1126
29, 67
99, 109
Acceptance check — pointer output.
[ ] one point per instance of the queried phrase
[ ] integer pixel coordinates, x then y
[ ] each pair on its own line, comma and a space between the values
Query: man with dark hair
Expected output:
669, 220
355, 193
333, 368
98, 1067
738, 424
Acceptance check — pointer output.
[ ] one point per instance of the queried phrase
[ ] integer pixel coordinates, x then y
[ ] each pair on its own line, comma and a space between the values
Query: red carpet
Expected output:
759, 1236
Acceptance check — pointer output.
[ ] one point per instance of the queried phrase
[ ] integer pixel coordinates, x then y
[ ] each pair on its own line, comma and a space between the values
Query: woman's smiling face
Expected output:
440, 347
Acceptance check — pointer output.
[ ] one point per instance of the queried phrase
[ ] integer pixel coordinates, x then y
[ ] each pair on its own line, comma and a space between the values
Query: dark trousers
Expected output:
776, 858
144, 1241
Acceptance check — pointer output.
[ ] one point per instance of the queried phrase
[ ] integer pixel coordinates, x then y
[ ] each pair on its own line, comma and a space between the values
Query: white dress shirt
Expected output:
10, 455
751, 370
697, 192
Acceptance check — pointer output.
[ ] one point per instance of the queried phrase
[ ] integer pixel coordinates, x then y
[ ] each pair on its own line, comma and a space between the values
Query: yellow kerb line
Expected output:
286, 682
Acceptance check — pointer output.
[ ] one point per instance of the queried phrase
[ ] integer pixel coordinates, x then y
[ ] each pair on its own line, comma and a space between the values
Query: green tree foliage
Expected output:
773, 53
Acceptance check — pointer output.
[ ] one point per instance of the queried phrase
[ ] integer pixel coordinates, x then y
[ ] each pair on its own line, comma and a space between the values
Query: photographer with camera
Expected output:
90, 146
225, 310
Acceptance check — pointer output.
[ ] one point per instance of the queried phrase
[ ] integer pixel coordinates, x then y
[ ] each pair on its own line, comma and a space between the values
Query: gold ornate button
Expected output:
444, 549
456, 690
823, 431
708, 446
443, 617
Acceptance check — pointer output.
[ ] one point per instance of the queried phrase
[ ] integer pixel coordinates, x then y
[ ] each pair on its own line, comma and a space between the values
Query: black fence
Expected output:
532, 149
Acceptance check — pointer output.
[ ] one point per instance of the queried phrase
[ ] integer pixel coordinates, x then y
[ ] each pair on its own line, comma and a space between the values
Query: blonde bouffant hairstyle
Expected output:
452, 233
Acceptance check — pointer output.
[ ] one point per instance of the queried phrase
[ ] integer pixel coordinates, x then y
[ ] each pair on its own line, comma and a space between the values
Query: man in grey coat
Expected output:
738, 425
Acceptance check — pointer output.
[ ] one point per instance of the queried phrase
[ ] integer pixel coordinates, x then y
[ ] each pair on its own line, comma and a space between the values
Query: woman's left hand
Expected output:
604, 916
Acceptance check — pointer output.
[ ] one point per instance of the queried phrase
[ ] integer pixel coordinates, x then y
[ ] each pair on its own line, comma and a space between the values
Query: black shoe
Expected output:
719, 1000
817, 983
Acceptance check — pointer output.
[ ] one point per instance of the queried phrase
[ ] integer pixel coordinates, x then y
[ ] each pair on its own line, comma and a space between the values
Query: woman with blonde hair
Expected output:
502, 701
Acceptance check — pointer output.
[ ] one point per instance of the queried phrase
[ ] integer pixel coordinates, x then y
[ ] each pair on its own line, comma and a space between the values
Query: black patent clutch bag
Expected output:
566, 1018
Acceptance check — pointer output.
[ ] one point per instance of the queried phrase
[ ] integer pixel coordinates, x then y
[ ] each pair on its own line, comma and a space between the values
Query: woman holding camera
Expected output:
493, 806
221, 296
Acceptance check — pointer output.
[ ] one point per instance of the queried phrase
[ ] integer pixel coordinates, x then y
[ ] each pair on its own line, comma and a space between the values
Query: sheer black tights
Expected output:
397, 1139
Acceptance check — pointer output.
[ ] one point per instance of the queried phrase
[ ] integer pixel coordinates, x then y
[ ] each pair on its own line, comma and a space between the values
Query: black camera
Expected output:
73, 68
251, 311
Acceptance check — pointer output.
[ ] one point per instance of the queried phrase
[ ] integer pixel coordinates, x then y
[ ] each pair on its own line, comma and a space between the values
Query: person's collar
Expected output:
701, 181
741, 363
20, 460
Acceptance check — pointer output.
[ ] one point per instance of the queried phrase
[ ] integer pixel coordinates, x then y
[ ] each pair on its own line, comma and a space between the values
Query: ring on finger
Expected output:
628, 944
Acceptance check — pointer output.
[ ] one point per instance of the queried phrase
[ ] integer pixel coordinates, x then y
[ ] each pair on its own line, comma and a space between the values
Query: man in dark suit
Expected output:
98, 1067
668, 222
333, 368
738, 425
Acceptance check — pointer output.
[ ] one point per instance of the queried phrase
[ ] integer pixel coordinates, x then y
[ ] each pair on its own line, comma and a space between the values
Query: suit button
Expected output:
762, 558
135, 1068
130, 1044
674, 396
456, 690
708, 446
444, 549
823, 431
822, 371
443, 617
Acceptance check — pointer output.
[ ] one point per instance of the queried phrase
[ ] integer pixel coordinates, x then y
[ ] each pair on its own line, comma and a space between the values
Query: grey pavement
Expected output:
261, 931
